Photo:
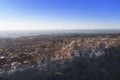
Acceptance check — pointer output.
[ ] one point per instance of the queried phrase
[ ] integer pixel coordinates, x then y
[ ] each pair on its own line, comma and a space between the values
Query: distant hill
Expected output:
14, 34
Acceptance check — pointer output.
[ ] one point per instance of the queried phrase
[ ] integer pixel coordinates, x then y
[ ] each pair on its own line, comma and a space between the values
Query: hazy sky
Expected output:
59, 14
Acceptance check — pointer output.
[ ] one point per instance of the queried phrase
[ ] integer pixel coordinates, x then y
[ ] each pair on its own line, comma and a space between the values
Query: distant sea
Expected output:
15, 34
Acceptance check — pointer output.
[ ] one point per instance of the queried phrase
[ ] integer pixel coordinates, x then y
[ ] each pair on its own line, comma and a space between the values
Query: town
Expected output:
38, 52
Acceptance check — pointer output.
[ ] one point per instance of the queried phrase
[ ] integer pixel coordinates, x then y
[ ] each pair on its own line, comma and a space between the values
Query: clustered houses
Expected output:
39, 52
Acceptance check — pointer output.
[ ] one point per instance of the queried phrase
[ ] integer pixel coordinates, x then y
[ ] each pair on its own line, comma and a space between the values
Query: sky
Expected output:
59, 14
